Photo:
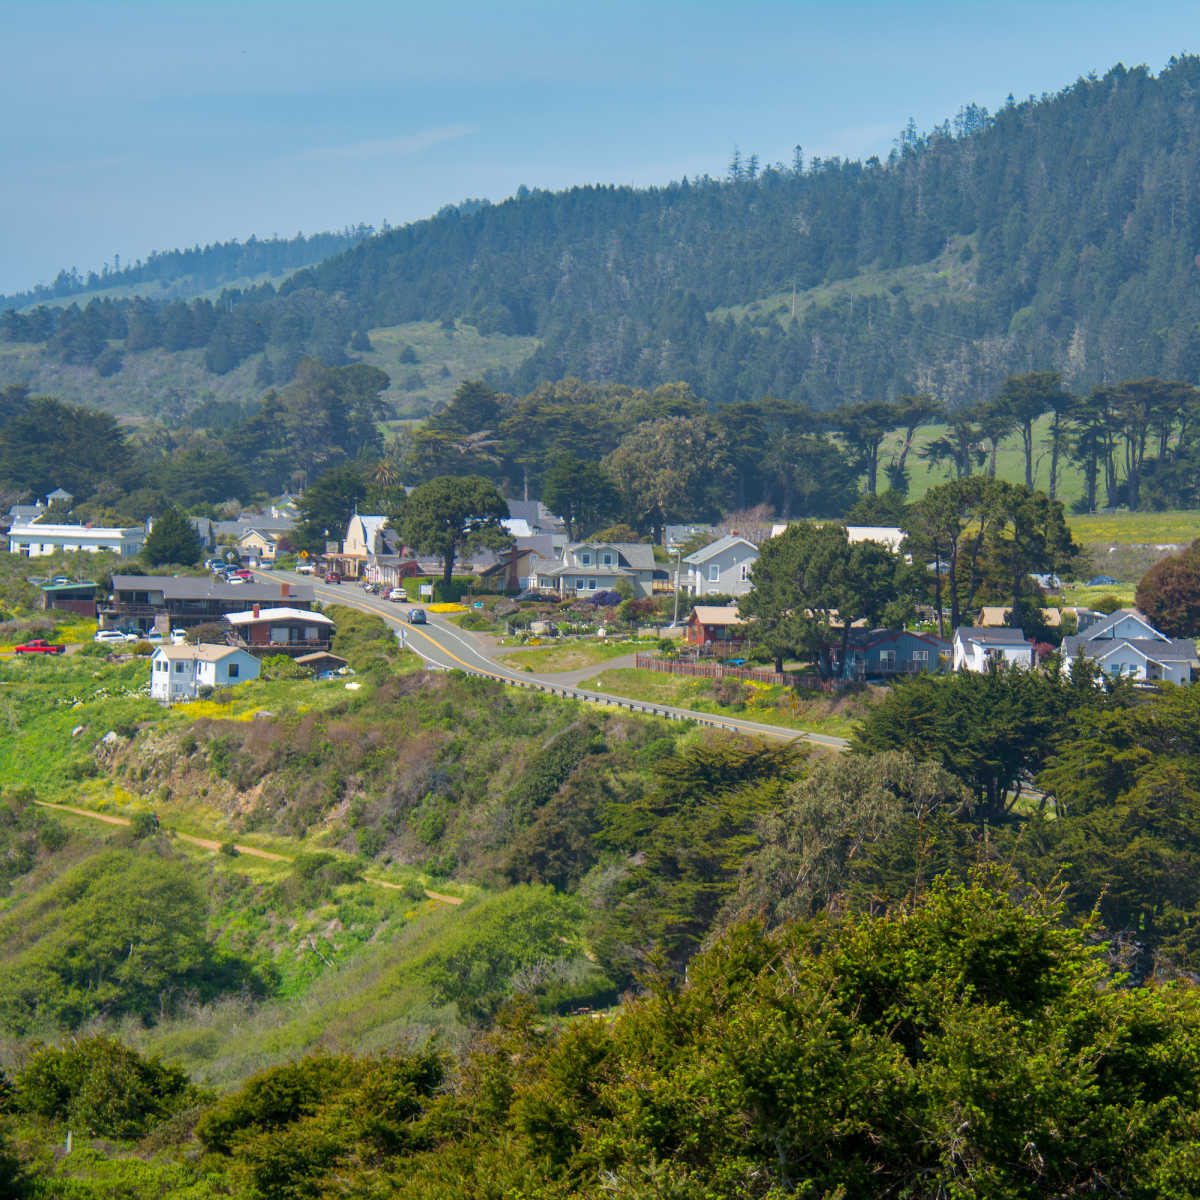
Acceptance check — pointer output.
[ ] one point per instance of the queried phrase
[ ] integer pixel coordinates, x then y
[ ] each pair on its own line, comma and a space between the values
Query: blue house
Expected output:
882, 653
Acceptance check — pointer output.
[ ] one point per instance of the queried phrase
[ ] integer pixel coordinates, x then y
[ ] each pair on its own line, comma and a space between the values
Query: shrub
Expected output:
100, 1086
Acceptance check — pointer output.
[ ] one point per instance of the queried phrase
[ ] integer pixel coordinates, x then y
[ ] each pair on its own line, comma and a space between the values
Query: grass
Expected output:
444, 359
768, 704
571, 656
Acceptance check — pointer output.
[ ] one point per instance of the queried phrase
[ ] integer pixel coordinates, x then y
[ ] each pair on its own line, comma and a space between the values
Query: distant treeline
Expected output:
184, 273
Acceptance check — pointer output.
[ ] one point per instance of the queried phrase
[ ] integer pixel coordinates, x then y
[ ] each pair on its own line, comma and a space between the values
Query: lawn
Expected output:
770, 704
571, 656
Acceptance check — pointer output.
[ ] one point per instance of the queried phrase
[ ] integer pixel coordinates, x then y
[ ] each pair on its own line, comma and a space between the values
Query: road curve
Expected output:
445, 647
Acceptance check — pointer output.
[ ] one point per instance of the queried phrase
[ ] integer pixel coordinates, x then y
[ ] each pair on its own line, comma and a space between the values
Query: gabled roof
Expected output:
637, 555
277, 614
727, 542
265, 534
205, 653
1167, 650
1103, 629
717, 614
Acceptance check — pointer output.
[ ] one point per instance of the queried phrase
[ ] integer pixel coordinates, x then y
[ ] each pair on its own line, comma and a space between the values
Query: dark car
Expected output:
1101, 581
417, 617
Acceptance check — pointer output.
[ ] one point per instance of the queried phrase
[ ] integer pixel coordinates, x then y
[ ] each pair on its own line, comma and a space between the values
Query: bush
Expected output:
282, 666
99, 1086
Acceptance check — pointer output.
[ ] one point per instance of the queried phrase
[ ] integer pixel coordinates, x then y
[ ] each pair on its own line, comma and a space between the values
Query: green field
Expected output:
571, 656
445, 357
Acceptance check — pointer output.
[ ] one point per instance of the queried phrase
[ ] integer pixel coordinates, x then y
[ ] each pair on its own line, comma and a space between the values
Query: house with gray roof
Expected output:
1126, 645
986, 649
144, 602
722, 568
589, 567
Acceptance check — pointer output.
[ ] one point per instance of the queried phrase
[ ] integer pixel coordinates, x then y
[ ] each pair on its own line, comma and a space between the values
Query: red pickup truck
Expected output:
39, 646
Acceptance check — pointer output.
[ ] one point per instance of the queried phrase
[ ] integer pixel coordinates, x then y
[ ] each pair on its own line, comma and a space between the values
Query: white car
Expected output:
306, 569
114, 637
178, 637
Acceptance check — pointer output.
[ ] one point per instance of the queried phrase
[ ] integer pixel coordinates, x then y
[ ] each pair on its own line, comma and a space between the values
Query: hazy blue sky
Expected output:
135, 125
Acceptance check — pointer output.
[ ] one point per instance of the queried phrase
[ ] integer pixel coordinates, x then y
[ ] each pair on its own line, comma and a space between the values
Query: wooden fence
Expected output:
700, 670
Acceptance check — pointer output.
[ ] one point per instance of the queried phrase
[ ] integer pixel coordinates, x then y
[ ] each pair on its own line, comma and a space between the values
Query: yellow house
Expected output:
256, 544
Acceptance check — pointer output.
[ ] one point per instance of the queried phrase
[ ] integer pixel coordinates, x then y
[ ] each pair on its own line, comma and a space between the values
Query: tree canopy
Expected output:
449, 513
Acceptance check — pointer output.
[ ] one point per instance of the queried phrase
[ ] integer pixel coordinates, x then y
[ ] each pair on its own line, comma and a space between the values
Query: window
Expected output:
887, 660
579, 583
591, 585
232, 670
920, 656
607, 558
714, 573
179, 668
744, 573
585, 559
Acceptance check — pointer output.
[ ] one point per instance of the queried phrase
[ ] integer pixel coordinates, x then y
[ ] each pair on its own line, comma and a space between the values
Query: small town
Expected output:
651, 649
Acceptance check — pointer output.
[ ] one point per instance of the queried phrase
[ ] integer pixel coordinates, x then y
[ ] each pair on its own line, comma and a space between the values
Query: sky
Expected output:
140, 125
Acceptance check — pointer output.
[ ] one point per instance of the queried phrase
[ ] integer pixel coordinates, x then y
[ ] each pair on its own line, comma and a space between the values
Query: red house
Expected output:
713, 623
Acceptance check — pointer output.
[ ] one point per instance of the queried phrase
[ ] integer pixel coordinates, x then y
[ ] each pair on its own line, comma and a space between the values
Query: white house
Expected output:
982, 649
179, 672
1126, 644
32, 540
721, 568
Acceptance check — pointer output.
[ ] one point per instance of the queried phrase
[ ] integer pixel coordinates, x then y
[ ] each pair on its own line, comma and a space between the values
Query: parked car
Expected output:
398, 594
39, 646
1101, 581
333, 577
154, 637
305, 568
114, 637
417, 616
178, 637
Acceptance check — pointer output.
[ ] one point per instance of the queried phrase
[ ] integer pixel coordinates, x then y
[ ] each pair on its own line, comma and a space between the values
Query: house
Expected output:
32, 540
1126, 644
258, 543
983, 649
146, 602
883, 535
179, 672
882, 653
709, 623
78, 597
528, 518
59, 496
367, 539
589, 567
292, 631
721, 568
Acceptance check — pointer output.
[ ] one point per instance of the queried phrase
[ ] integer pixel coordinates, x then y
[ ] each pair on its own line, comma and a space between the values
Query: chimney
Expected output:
256, 612
284, 591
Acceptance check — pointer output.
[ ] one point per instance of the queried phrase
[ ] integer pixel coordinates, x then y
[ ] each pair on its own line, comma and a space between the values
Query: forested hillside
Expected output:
1058, 234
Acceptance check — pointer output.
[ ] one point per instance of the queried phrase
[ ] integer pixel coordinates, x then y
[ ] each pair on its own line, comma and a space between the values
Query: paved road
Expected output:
444, 646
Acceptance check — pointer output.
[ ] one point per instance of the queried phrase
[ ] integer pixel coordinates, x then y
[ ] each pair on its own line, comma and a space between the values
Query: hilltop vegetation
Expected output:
1055, 233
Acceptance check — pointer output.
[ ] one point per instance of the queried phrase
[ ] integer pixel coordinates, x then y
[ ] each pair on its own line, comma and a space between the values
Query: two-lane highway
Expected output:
446, 647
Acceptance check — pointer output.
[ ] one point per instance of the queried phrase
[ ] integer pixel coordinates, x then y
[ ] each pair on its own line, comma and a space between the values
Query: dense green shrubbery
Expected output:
96, 1085
119, 932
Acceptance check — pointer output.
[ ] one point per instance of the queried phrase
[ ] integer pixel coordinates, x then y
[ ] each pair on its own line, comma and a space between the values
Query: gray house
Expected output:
983, 649
1126, 644
883, 653
720, 568
590, 567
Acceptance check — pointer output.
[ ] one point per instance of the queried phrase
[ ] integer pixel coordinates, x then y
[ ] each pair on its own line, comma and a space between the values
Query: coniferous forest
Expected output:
1060, 233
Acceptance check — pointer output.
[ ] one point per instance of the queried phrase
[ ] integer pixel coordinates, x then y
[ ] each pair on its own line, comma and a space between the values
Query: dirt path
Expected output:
215, 846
